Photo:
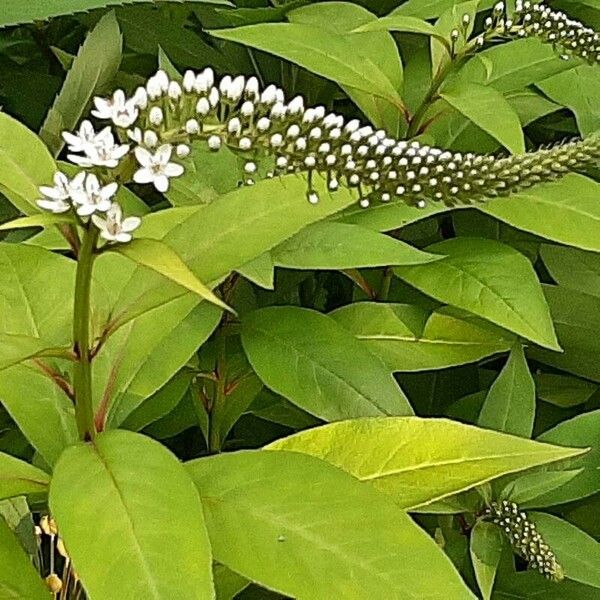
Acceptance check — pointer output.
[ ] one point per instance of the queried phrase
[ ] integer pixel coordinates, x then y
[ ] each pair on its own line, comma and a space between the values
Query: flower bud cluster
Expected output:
235, 113
524, 538
535, 19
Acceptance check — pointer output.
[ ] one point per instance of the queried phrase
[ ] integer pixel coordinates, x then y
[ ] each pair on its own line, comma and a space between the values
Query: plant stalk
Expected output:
82, 380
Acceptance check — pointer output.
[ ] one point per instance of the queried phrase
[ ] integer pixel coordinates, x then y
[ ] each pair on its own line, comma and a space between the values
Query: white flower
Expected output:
79, 141
102, 152
156, 168
119, 109
92, 196
56, 198
114, 228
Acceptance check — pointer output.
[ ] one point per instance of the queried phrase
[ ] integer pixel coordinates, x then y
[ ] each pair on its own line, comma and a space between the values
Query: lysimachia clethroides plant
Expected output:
148, 138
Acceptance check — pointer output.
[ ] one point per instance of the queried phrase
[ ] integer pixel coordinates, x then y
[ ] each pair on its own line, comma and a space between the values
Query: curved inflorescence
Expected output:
524, 538
156, 127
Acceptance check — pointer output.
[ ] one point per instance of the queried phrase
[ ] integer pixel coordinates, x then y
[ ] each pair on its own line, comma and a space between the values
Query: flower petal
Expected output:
131, 223
123, 237
173, 170
143, 175
143, 156
161, 183
163, 154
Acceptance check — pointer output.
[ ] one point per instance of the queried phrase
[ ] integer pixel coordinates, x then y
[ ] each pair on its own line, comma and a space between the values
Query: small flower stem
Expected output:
214, 434
82, 381
386, 283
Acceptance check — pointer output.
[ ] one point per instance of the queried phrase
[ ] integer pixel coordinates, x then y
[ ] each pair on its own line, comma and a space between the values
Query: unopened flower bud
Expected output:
156, 116
214, 142
189, 80
54, 583
182, 150
192, 127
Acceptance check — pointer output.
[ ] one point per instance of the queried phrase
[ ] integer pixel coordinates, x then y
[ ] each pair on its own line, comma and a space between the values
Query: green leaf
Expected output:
526, 489
342, 18
486, 545
428, 9
147, 516
573, 268
15, 12
93, 69
46, 418
15, 349
227, 583
25, 164
24, 271
331, 245
409, 338
582, 431
260, 270
18, 478
577, 89
576, 552
510, 403
159, 257
303, 528
405, 24
562, 390
490, 110
40, 220
514, 65
18, 578
565, 211
313, 362
577, 320
419, 460
490, 280
318, 50
529, 585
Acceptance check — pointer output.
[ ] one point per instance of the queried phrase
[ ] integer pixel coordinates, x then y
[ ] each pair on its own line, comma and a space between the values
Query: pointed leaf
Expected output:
318, 50
161, 258
409, 338
317, 532
510, 403
486, 549
526, 489
18, 578
18, 478
25, 164
420, 460
93, 68
316, 364
490, 111
489, 279
147, 520
331, 245
41, 220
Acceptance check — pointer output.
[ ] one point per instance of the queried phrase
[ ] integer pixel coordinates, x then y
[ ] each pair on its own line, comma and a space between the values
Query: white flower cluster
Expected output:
87, 197
156, 126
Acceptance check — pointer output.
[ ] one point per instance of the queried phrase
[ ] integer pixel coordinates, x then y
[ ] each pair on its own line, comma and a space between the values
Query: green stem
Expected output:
215, 442
82, 381
386, 283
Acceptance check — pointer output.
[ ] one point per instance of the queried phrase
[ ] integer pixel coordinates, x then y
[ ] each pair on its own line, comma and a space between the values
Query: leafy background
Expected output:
486, 315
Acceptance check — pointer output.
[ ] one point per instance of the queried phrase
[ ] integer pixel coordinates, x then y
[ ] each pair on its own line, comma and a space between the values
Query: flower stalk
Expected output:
82, 380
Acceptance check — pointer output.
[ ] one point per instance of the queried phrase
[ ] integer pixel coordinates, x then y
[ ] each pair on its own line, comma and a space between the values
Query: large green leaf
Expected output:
490, 280
565, 211
25, 164
92, 70
159, 257
15, 11
577, 320
577, 89
529, 585
576, 552
563, 390
18, 578
409, 338
342, 19
18, 478
490, 111
37, 291
403, 23
148, 525
428, 9
309, 359
318, 50
573, 268
583, 431
217, 238
510, 403
418, 460
42, 411
331, 245
485, 547
306, 529
527, 489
